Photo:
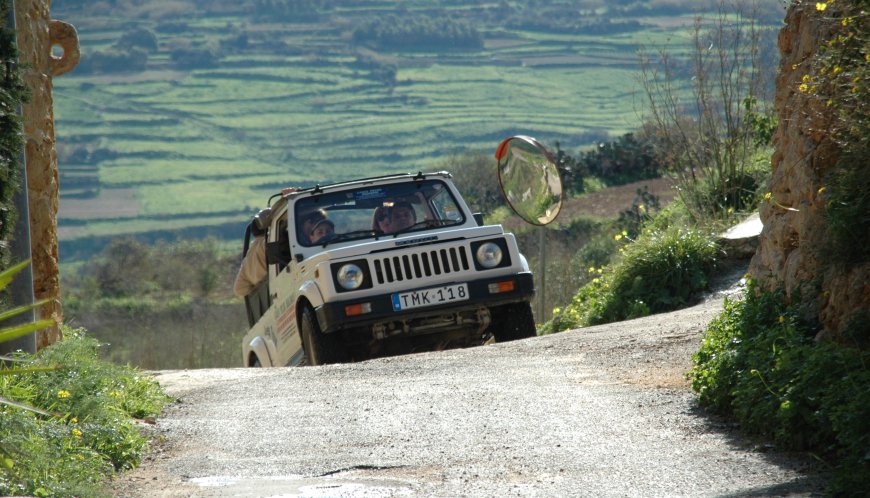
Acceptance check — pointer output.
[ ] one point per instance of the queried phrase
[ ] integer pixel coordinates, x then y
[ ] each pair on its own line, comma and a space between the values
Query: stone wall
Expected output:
36, 34
791, 248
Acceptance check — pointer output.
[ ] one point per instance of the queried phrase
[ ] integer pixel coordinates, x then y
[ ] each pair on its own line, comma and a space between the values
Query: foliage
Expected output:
419, 32
12, 94
760, 364
161, 305
837, 79
16, 331
476, 176
660, 271
90, 433
707, 141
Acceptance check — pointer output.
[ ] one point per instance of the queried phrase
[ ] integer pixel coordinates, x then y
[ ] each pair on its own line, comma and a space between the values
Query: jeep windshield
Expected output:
375, 211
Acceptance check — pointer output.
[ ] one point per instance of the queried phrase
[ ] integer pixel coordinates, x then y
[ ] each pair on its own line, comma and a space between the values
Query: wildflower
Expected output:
596, 280
767, 196
821, 189
76, 433
837, 69
805, 78
591, 269
731, 210
63, 394
625, 233
617, 236
781, 319
556, 311
820, 6
641, 208
114, 394
74, 420
803, 88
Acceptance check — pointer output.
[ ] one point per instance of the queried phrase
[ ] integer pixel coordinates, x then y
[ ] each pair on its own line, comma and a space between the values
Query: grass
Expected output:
90, 432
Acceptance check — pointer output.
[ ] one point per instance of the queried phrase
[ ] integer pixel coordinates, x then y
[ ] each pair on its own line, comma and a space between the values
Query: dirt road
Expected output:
603, 411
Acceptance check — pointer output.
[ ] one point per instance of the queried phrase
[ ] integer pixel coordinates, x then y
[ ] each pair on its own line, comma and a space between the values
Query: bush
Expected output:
86, 430
660, 271
760, 364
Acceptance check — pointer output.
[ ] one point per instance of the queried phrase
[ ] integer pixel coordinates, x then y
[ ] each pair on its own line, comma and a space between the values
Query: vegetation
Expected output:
195, 143
760, 364
72, 424
166, 305
12, 94
660, 271
707, 140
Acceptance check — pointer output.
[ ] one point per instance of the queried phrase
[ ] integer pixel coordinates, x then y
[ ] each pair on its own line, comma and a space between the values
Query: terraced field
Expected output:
182, 150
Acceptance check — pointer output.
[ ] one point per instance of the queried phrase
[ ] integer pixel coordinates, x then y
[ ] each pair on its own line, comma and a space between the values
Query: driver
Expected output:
402, 216
322, 232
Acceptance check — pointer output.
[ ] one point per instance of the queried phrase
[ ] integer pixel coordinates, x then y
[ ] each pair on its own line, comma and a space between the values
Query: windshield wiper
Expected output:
348, 236
426, 223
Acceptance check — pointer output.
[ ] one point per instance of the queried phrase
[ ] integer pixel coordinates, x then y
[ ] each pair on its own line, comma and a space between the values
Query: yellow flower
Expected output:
625, 233
821, 189
767, 196
63, 394
74, 420
731, 210
591, 269
641, 208
781, 319
805, 78
75, 432
114, 394
617, 236
837, 69
803, 88
820, 6
596, 280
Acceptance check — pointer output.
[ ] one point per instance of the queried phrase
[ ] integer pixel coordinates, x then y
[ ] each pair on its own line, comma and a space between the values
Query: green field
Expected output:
180, 150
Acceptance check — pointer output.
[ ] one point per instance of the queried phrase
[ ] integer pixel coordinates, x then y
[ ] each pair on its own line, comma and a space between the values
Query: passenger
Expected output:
306, 224
402, 216
322, 232
381, 219
253, 268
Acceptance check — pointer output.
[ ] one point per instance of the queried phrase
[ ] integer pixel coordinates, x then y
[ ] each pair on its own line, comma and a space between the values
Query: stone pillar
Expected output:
36, 35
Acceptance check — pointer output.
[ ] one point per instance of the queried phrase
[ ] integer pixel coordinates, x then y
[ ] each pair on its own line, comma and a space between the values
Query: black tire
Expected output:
513, 321
320, 348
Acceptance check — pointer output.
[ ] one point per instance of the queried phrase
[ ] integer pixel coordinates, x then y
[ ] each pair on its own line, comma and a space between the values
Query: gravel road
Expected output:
602, 411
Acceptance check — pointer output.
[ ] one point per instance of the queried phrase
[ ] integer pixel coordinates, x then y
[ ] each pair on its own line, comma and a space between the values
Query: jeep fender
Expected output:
524, 263
310, 291
261, 350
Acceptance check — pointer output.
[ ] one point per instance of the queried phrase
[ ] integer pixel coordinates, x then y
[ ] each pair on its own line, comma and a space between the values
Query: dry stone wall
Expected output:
791, 248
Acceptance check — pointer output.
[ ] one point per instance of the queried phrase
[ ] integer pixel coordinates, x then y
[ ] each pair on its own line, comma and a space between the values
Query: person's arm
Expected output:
253, 268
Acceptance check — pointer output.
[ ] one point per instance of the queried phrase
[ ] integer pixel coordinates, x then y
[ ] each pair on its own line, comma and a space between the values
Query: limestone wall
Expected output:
791, 248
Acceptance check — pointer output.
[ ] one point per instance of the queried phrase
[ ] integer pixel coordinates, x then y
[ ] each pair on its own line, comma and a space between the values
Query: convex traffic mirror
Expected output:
529, 179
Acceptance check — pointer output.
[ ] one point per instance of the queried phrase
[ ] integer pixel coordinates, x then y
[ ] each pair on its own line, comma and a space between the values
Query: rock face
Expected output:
791, 247
36, 35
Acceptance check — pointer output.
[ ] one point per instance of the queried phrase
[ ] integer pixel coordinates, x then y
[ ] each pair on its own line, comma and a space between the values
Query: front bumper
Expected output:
332, 316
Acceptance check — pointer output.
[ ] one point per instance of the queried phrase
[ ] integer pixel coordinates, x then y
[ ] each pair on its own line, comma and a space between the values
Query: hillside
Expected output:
183, 117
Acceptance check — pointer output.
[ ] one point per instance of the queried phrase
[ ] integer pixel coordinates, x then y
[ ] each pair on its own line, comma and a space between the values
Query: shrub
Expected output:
760, 364
85, 431
660, 271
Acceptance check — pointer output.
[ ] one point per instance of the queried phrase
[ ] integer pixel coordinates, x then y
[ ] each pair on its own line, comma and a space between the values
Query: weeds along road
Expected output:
600, 412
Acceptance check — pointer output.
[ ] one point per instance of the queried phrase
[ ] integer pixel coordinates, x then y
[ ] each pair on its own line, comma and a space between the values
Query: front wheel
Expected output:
513, 321
320, 348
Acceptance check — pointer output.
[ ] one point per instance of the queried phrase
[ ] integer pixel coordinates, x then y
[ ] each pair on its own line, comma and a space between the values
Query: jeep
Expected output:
359, 286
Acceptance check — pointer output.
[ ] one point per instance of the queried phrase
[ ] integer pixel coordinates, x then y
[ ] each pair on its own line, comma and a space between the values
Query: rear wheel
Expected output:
320, 348
513, 321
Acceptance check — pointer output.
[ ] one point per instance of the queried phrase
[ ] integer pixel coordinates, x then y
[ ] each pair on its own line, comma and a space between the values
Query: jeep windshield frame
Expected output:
349, 213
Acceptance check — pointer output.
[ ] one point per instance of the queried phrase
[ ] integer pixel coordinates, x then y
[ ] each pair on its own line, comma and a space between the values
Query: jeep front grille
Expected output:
421, 264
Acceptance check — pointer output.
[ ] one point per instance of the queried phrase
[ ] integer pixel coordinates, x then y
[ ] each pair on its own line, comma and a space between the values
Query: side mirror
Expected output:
529, 179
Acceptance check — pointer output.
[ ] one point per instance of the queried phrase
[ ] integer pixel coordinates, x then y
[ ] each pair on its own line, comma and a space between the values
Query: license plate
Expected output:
429, 297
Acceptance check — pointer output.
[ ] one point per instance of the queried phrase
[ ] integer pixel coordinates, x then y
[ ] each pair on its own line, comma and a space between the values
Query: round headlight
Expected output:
489, 255
350, 276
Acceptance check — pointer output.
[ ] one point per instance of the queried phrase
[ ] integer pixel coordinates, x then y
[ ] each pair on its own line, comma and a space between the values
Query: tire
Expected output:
512, 322
320, 348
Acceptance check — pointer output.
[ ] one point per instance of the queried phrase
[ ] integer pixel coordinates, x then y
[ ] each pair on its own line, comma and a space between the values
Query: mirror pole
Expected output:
542, 258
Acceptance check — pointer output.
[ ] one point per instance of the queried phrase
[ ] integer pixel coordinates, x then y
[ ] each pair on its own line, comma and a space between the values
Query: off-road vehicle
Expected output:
443, 280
